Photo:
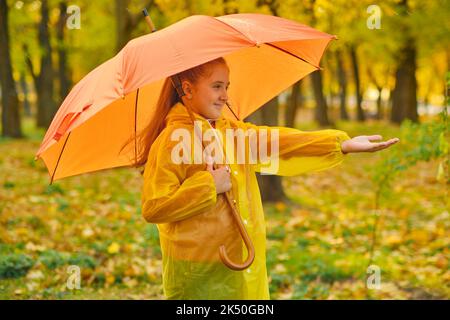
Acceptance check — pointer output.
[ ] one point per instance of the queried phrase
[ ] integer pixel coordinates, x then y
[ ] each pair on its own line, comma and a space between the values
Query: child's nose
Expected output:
224, 97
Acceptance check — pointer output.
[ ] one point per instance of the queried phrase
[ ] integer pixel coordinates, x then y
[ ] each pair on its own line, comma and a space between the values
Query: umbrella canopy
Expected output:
265, 54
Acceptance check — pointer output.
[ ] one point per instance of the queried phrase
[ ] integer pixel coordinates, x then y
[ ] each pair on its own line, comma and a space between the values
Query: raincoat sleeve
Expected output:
169, 193
294, 152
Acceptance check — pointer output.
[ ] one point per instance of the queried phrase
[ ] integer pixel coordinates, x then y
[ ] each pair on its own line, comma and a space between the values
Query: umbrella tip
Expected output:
148, 20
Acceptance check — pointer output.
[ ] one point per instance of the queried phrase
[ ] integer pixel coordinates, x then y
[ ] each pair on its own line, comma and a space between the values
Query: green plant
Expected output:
53, 188
15, 265
419, 142
83, 260
52, 259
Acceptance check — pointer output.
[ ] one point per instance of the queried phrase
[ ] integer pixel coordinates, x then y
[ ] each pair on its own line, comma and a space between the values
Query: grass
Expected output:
317, 243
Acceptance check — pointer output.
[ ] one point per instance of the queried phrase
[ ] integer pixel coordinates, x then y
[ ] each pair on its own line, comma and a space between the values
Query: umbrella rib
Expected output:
285, 51
135, 125
59, 158
269, 44
229, 107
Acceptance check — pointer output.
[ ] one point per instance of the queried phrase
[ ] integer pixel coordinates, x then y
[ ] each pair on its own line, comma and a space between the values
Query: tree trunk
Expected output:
342, 78
379, 104
10, 111
25, 91
46, 108
355, 65
379, 87
270, 186
389, 101
293, 104
404, 100
122, 33
126, 21
63, 72
321, 111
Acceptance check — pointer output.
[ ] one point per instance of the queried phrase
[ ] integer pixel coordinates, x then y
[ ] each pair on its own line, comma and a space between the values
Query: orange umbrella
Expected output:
266, 55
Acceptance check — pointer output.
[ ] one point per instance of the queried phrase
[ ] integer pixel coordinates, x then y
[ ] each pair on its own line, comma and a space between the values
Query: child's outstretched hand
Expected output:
222, 177
365, 144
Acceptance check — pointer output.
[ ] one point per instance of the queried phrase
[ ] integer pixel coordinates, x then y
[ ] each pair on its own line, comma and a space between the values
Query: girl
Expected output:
186, 200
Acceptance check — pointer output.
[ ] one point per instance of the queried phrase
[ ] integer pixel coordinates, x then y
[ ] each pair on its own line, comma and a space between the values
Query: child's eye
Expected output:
217, 87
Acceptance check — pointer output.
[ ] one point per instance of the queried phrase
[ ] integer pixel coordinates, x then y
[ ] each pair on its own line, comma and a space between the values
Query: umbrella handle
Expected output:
248, 243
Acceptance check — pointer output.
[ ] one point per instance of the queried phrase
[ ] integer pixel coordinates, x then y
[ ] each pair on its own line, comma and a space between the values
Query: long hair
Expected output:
167, 99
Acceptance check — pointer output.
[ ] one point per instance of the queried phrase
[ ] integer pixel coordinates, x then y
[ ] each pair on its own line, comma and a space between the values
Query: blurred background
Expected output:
376, 227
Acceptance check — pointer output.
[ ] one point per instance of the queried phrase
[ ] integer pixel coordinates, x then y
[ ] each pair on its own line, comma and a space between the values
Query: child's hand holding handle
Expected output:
221, 175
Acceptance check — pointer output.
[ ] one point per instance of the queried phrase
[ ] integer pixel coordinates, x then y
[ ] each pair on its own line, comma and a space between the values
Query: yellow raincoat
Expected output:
193, 221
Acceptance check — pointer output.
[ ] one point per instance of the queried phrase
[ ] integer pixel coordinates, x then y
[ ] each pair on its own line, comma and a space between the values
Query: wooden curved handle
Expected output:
248, 243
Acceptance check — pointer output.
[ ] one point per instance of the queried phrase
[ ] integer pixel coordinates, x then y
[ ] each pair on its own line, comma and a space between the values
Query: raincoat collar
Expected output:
178, 113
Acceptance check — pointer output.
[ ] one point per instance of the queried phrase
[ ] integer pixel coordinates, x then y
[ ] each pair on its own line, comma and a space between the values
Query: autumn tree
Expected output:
43, 79
404, 99
63, 68
10, 102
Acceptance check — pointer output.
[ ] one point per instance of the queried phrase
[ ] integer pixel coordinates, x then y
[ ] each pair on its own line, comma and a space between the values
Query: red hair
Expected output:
167, 99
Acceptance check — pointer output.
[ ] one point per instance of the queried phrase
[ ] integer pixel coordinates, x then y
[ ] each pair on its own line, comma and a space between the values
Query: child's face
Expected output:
208, 96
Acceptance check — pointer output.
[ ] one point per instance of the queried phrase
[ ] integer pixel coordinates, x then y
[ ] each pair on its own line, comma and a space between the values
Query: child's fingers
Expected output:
385, 144
375, 137
394, 140
223, 168
389, 142
227, 168
209, 163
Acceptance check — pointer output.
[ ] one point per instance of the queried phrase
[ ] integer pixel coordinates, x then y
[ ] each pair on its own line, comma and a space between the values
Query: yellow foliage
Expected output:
393, 239
110, 279
280, 206
113, 248
419, 236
